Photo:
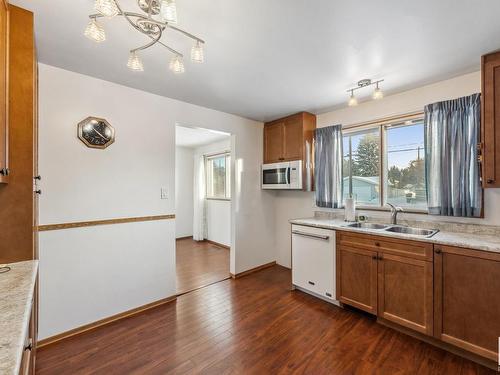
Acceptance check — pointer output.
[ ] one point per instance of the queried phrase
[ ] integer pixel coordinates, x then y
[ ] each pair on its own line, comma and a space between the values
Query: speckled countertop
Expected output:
16, 294
487, 242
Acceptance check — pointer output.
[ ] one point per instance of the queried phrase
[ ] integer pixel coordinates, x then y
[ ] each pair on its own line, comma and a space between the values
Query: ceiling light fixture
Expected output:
146, 24
94, 31
377, 93
135, 62
352, 100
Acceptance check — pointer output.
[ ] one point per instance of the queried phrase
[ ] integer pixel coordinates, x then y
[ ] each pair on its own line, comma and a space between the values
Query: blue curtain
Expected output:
452, 169
328, 166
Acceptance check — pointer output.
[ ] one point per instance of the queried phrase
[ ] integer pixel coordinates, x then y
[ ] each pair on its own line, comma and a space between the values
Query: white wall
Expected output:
90, 273
290, 205
218, 211
184, 164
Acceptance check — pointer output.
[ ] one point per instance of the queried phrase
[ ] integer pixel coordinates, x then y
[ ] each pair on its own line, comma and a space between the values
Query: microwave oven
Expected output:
285, 175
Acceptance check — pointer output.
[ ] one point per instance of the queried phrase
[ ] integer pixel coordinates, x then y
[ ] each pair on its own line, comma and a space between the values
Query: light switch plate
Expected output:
164, 193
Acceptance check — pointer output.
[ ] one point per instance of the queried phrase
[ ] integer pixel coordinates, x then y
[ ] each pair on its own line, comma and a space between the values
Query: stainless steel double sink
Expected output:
395, 229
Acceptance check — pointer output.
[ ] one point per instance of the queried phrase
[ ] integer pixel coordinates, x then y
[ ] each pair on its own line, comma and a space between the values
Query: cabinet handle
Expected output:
490, 181
437, 251
328, 294
377, 243
311, 235
38, 177
4, 171
380, 257
38, 192
374, 257
312, 283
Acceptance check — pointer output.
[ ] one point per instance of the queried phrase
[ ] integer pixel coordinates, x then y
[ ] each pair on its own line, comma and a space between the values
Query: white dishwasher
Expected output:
313, 261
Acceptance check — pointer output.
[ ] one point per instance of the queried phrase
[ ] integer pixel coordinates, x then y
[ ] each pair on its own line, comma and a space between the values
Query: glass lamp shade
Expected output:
176, 65
95, 32
352, 101
197, 54
107, 8
135, 62
169, 11
377, 94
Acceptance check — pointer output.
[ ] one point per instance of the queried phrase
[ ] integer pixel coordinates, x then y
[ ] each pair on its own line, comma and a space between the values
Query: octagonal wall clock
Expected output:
96, 132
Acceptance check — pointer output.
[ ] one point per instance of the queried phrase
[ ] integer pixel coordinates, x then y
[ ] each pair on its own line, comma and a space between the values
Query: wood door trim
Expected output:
80, 224
102, 322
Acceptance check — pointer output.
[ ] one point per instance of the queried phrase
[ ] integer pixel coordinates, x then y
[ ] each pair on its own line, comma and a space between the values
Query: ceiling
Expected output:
196, 137
266, 59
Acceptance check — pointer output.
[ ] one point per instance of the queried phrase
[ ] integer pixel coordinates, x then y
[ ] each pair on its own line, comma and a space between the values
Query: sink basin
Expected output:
368, 225
413, 231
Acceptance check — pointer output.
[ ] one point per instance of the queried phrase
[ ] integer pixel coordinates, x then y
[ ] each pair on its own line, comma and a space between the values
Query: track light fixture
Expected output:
377, 93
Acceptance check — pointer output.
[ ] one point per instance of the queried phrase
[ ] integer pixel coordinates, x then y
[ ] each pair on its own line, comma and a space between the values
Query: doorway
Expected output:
202, 207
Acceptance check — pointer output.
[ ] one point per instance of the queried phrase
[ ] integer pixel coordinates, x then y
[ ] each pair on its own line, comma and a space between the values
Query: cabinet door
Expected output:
3, 92
490, 124
313, 260
466, 299
293, 138
357, 278
405, 292
273, 142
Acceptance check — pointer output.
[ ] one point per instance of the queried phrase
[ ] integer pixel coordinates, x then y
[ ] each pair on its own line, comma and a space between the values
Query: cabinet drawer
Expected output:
408, 248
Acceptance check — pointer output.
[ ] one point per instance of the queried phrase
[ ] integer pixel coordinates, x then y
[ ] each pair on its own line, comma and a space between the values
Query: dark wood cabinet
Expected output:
357, 278
405, 292
490, 120
4, 82
467, 305
289, 138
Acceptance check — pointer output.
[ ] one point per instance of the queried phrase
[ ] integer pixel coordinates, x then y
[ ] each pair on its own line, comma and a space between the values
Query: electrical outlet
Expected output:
164, 193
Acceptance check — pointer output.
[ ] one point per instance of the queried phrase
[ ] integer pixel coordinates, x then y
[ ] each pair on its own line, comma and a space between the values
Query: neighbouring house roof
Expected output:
370, 180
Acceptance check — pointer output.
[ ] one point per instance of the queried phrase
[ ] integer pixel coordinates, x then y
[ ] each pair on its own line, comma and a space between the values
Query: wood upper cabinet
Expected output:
387, 277
405, 292
466, 299
273, 142
4, 74
289, 138
357, 278
490, 120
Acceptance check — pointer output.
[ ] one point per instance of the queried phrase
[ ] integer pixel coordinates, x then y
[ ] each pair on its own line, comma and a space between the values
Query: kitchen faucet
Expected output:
394, 213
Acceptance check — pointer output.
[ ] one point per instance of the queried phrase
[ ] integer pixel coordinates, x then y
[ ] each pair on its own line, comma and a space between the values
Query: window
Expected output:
385, 164
218, 176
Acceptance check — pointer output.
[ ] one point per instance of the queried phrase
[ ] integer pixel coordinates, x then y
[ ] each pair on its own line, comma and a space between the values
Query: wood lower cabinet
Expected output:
357, 278
490, 120
405, 292
466, 298
388, 278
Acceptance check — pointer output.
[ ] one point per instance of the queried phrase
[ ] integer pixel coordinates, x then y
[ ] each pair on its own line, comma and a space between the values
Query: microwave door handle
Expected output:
287, 175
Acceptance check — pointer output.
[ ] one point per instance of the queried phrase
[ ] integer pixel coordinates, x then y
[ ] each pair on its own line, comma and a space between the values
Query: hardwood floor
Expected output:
252, 325
199, 264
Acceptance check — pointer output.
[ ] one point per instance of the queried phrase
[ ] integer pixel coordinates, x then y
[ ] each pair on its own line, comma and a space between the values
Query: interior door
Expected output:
405, 292
273, 142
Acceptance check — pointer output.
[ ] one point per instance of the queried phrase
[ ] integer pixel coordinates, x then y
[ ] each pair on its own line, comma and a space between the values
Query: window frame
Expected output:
383, 126
227, 192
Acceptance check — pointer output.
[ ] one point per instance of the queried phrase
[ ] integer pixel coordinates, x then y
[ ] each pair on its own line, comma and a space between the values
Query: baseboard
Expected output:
184, 238
252, 270
102, 322
218, 244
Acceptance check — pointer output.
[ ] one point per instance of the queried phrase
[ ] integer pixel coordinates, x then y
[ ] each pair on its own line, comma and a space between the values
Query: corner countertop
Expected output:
467, 240
16, 294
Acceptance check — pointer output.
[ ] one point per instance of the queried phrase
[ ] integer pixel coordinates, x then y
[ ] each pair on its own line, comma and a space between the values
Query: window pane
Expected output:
216, 177
228, 176
405, 185
361, 166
